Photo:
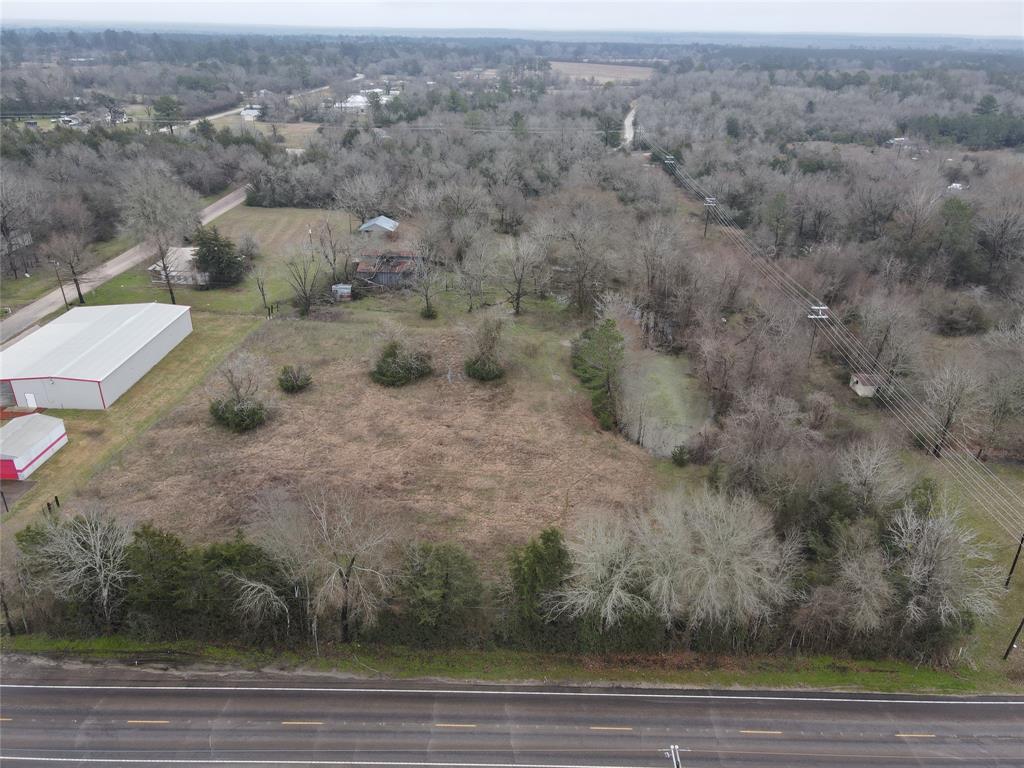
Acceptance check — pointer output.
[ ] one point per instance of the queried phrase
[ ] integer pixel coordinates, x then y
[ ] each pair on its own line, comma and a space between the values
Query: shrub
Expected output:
238, 414
681, 455
484, 364
398, 366
428, 313
217, 256
483, 368
962, 316
596, 360
294, 378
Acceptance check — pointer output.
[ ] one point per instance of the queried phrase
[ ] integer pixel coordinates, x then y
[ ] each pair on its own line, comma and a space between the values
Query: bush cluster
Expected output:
238, 414
483, 368
398, 366
597, 360
294, 378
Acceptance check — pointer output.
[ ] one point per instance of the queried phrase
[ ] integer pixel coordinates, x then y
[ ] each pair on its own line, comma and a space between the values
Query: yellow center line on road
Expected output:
147, 722
611, 728
916, 735
455, 725
302, 722
761, 733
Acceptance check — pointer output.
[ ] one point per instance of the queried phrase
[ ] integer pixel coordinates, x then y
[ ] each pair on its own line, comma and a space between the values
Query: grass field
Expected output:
488, 465
282, 233
296, 135
602, 73
97, 437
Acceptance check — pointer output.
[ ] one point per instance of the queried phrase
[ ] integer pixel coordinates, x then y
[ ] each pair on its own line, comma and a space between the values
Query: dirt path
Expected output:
627, 126
50, 302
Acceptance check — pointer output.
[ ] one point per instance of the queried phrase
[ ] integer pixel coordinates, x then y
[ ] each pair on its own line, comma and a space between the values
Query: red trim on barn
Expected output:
62, 378
62, 437
103, 400
10, 471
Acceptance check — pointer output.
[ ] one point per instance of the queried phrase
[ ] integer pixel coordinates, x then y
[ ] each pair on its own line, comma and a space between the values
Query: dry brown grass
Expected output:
487, 465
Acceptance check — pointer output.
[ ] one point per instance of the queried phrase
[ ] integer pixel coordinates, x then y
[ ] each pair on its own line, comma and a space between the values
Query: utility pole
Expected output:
709, 203
60, 282
1014, 564
818, 312
1013, 643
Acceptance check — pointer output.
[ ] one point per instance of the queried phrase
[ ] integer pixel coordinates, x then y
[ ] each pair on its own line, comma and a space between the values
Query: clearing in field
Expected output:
294, 135
487, 465
602, 73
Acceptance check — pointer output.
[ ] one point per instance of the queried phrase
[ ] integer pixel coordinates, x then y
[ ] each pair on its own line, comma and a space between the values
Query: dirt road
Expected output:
51, 302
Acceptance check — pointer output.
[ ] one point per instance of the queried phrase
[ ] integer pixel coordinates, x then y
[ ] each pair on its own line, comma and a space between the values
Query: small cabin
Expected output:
181, 269
865, 384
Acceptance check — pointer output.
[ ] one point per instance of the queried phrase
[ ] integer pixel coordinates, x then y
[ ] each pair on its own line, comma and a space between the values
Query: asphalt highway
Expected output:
93, 716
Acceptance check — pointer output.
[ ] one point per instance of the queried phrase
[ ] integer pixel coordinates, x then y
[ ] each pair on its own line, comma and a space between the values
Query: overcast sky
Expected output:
916, 17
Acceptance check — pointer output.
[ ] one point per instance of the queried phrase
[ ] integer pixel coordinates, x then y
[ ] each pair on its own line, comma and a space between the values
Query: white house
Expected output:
354, 104
181, 269
865, 384
251, 112
90, 356
26, 442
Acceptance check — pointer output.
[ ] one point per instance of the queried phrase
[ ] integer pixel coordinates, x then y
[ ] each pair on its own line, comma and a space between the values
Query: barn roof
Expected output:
20, 435
87, 342
387, 262
869, 379
381, 222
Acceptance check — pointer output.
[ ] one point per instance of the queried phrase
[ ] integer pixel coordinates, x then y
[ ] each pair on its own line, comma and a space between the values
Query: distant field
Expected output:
581, 70
296, 135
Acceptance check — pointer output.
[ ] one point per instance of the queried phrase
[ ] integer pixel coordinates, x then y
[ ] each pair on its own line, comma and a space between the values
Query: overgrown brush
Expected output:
294, 378
397, 365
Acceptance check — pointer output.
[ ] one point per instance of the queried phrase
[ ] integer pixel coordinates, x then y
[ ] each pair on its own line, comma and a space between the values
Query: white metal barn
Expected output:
90, 356
27, 442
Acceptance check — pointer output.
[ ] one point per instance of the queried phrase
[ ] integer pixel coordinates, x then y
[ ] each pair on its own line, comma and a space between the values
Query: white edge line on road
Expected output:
481, 692
224, 761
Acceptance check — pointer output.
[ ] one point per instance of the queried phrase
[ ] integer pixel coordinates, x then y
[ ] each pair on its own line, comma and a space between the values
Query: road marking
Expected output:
5, 719
761, 733
302, 722
147, 722
611, 728
485, 692
916, 735
455, 725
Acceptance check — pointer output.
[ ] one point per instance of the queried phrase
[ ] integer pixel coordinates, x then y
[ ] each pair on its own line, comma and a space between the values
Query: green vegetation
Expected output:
238, 414
398, 365
597, 360
294, 378
217, 256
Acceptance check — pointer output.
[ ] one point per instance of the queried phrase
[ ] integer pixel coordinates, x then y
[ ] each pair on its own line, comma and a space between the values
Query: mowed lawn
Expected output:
488, 465
97, 437
282, 234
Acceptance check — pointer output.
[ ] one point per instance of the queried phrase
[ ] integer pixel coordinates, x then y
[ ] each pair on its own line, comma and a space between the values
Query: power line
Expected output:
904, 407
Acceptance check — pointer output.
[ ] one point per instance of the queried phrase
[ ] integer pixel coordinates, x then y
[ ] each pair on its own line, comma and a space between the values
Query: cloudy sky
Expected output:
999, 18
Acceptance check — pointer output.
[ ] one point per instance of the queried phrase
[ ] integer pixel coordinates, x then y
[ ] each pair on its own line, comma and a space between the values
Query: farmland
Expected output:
602, 73
294, 135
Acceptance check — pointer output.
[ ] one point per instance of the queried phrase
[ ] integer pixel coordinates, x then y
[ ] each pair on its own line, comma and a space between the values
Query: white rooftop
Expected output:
87, 342
20, 435
379, 222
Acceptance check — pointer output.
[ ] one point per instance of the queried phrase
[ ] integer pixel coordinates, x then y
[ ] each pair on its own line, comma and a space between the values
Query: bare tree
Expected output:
260, 278
953, 394
84, 558
336, 553
863, 581
160, 210
337, 248
427, 281
304, 279
518, 260
19, 208
713, 561
586, 231
256, 601
363, 194
871, 471
606, 578
937, 558
475, 272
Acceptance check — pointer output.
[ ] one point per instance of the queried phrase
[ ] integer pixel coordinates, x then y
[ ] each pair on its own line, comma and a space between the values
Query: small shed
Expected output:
181, 269
379, 225
27, 442
865, 384
387, 270
341, 292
